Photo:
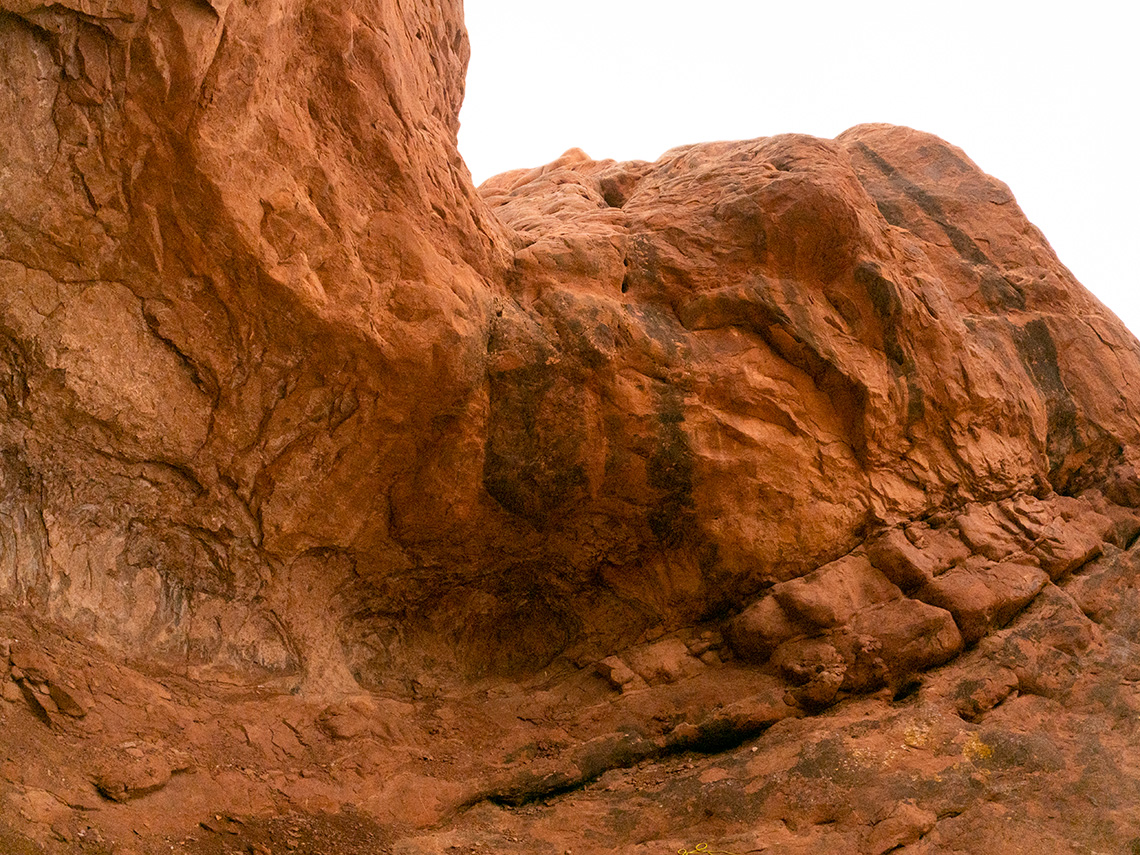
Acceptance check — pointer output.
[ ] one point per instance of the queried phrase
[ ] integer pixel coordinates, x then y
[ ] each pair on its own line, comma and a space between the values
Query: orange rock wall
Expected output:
284, 396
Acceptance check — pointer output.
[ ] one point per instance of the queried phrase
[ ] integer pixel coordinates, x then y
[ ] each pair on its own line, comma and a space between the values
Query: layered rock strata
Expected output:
777, 492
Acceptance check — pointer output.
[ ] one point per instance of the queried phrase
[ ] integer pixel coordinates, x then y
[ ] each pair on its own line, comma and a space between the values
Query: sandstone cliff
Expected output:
778, 494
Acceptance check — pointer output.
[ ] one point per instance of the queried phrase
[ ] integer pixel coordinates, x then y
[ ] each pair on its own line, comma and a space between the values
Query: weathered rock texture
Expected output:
778, 495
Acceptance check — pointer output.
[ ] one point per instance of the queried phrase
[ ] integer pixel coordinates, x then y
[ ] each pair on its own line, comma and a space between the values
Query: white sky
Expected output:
1044, 95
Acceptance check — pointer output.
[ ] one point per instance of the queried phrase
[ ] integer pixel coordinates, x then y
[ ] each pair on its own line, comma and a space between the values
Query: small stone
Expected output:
664, 661
122, 778
620, 675
43, 696
699, 646
65, 702
32, 664
904, 825
982, 691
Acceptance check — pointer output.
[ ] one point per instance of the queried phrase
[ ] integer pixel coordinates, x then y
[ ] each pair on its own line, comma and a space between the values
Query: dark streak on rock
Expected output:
1039, 356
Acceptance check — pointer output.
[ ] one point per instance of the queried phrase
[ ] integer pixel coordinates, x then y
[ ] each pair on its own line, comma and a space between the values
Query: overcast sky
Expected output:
1041, 94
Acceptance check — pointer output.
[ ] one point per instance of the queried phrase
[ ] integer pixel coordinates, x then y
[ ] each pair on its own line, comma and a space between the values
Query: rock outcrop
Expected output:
779, 495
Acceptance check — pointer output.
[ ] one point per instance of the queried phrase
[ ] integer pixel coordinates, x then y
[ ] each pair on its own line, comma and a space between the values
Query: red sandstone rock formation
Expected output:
778, 495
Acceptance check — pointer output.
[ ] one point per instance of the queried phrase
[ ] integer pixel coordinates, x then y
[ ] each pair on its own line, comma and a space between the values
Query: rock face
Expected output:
779, 494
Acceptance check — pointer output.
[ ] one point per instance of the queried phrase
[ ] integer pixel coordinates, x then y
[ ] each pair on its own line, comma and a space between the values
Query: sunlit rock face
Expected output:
328, 480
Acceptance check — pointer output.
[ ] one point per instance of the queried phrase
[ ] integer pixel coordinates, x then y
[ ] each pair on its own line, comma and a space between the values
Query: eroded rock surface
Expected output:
779, 494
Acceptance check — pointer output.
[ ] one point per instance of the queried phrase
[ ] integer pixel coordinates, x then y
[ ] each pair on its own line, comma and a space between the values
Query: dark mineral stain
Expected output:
531, 466
997, 292
674, 520
1038, 354
887, 304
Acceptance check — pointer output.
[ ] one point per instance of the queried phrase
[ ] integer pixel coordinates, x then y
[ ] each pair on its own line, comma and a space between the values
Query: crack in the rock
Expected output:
594, 759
